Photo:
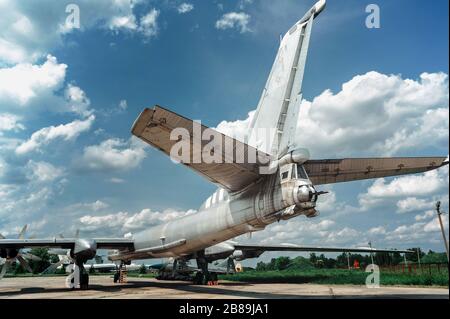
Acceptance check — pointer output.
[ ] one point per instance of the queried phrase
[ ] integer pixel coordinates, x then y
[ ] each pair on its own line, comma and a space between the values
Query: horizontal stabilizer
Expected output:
233, 169
328, 171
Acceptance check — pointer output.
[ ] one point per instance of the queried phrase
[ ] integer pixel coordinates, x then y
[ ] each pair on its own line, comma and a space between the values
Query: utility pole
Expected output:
439, 213
348, 260
371, 256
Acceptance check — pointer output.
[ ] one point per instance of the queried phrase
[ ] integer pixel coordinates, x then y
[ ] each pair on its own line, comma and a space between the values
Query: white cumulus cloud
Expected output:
185, 7
424, 216
43, 171
32, 29
429, 183
44, 136
231, 20
148, 24
113, 154
77, 100
10, 122
23, 82
412, 204
376, 113
372, 115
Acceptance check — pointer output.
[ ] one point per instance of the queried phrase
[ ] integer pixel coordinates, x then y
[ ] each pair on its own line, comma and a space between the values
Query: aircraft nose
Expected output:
306, 193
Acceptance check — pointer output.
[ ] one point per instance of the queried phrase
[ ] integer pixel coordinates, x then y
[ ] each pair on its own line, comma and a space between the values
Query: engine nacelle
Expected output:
244, 254
84, 250
218, 251
238, 255
8, 253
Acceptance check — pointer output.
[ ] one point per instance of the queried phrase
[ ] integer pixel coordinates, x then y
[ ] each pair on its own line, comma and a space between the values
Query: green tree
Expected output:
313, 258
300, 263
413, 256
282, 263
396, 258
341, 260
271, 264
433, 257
142, 269
53, 258
261, 266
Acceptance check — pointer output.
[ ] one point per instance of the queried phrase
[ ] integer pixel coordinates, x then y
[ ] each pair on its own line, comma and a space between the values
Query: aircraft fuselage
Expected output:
224, 216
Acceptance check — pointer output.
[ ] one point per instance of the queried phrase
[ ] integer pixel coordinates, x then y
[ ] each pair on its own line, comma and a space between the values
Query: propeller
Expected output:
21, 256
64, 260
52, 268
4, 268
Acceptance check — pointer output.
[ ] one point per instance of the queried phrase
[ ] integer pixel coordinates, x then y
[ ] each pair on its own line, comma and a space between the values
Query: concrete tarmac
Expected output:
103, 287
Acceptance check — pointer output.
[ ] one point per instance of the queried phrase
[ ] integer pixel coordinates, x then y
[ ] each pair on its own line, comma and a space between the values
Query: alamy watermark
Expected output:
373, 19
73, 17
373, 279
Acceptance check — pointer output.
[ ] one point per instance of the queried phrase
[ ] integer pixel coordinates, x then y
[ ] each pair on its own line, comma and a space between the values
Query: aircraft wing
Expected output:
67, 243
328, 171
154, 126
262, 248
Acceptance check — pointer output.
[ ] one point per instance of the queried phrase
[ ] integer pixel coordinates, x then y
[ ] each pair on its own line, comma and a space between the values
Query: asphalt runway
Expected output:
103, 287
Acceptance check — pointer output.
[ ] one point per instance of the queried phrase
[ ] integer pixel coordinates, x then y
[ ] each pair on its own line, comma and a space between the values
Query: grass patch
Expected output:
338, 276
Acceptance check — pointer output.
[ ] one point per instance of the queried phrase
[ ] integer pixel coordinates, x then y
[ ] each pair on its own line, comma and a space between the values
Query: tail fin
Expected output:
273, 126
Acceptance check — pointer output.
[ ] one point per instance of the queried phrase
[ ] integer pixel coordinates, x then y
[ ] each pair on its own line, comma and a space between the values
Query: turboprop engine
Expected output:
219, 251
240, 255
83, 250
8, 253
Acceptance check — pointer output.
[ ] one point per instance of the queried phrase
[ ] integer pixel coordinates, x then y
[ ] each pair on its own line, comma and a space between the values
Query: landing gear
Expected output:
230, 266
198, 278
179, 271
79, 278
204, 277
84, 281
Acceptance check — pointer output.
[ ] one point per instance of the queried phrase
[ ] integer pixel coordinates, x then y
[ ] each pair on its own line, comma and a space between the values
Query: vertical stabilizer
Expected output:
273, 126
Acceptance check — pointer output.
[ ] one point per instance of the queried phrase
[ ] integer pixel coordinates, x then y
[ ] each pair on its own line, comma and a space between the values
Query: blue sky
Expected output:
92, 176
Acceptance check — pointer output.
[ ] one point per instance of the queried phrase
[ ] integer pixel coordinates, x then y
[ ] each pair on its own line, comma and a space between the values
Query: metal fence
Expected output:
416, 268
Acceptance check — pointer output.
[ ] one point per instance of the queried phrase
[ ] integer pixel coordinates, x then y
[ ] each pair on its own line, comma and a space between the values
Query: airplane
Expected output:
223, 256
266, 180
64, 260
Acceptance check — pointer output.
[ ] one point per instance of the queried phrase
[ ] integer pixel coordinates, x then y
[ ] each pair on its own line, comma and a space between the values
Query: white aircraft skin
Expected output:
227, 218
247, 200
251, 209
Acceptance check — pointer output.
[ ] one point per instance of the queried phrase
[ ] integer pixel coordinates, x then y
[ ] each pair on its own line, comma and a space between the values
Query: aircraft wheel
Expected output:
84, 281
116, 277
198, 278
